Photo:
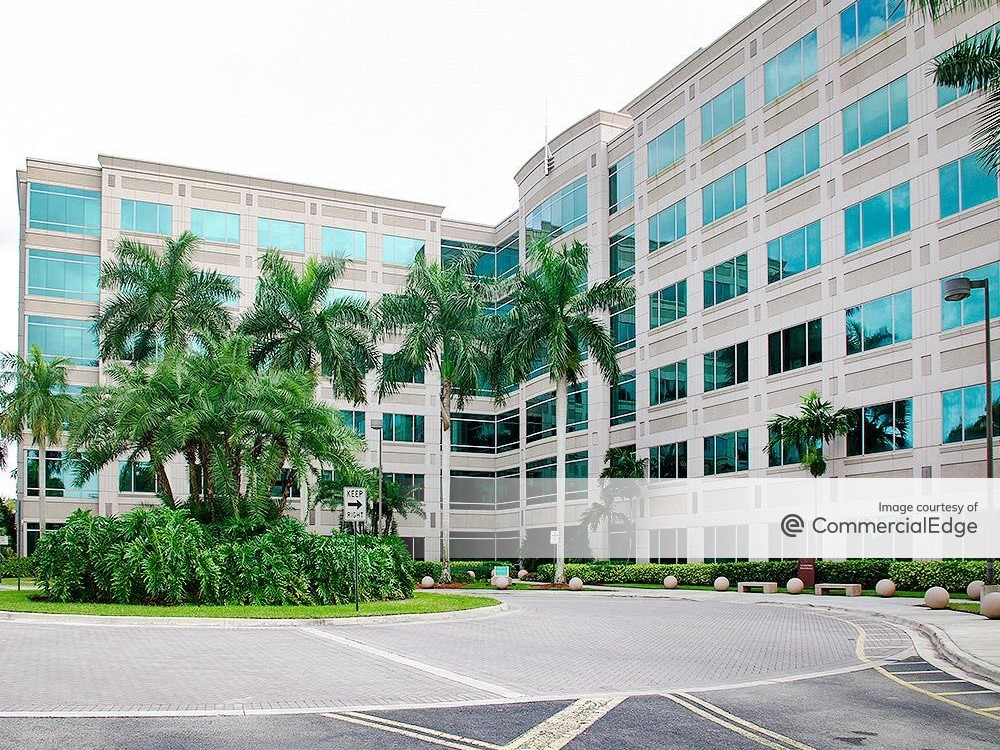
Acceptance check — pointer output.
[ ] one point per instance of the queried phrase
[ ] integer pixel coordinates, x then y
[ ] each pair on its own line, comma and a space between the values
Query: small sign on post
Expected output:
4, 541
553, 537
355, 512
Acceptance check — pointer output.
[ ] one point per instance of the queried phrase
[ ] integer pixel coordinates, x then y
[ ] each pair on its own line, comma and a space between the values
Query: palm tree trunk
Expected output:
445, 481
41, 488
562, 406
165, 489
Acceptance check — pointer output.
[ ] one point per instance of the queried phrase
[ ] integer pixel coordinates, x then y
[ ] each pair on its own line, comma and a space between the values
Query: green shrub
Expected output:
423, 568
12, 566
920, 575
483, 570
867, 572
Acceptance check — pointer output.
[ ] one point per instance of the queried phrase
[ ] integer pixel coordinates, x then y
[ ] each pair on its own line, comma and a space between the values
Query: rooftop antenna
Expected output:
550, 160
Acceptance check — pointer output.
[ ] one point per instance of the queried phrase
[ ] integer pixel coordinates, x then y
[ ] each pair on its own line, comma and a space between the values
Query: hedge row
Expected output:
483, 569
13, 566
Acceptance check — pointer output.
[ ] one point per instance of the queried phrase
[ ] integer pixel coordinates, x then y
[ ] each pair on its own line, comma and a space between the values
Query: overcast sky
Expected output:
436, 101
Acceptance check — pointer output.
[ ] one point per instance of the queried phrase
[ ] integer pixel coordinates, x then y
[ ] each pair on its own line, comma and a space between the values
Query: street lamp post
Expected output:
956, 290
376, 424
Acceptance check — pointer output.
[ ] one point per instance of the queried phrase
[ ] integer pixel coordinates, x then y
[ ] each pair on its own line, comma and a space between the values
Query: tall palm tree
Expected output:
296, 324
441, 314
554, 317
33, 399
621, 463
973, 63
161, 300
816, 425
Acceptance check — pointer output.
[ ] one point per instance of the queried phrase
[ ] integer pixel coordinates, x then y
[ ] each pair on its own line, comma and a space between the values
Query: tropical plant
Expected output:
161, 300
34, 398
297, 323
397, 499
553, 319
816, 425
441, 314
621, 464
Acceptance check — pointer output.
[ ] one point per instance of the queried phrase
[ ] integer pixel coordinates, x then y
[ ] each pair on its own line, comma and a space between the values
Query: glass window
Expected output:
345, 243
881, 322
668, 383
281, 235
623, 328
151, 218
621, 184
795, 347
405, 375
790, 67
286, 475
963, 413
64, 275
485, 433
623, 399
403, 428
966, 183
666, 149
59, 477
725, 195
561, 213
669, 461
726, 280
783, 453
136, 477
64, 209
622, 248
508, 256
875, 115
216, 226
354, 420
400, 251
794, 252
669, 225
61, 337
540, 414
727, 453
668, 304
333, 294
724, 111
793, 159
877, 219
956, 314
726, 366
539, 475
948, 94
881, 428
866, 19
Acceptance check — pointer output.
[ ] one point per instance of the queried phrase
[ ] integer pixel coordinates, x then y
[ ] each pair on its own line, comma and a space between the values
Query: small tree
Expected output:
816, 425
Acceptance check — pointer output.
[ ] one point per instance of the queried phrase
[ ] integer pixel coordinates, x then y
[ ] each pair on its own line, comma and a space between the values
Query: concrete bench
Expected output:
850, 589
767, 587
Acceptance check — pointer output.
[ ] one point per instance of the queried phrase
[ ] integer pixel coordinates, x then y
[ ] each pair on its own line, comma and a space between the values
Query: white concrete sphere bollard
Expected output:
471, 574
576, 584
502, 582
493, 580
885, 588
670, 582
522, 574
974, 590
795, 586
721, 583
937, 597
990, 606
426, 582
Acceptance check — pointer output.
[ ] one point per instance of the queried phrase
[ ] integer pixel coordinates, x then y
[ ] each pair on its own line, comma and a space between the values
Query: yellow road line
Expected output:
424, 730
967, 692
559, 729
745, 723
931, 682
917, 671
366, 722
938, 697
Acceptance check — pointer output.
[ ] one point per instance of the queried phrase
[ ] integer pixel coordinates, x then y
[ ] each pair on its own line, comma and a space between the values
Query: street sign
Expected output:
501, 570
4, 541
355, 504
553, 537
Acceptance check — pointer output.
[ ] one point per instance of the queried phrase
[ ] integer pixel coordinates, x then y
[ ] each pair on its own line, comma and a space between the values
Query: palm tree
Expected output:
161, 300
973, 63
296, 324
397, 499
816, 425
621, 463
442, 316
553, 317
33, 399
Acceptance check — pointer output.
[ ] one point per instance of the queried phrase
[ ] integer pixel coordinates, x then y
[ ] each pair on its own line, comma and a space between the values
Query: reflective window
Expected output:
668, 383
136, 477
403, 428
333, 294
289, 476
539, 487
875, 115
354, 420
216, 226
621, 184
963, 413
724, 111
400, 251
61, 337
948, 94
405, 375
540, 414
623, 399
727, 453
795, 347
877, 219
956, 314
64, 275
866, 19
966, 183
59, 477
793, 159
622, 248
623, 328
783, 453
561, 213
666, 149
493, 263
726, 280
790, 67
881, 428
669, 225
64, 209
151, 218
345, 243
794, 252
485, 433
725, 195
726, 366
281, 235
669, 461
881, 322
668, 304
508, 256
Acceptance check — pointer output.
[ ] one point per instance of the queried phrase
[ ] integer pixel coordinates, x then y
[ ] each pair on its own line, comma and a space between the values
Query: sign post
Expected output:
355, 510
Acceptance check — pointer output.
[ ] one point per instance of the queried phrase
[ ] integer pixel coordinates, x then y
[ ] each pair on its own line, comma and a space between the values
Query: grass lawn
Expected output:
13, 581
972, 607
781, 590
29, 601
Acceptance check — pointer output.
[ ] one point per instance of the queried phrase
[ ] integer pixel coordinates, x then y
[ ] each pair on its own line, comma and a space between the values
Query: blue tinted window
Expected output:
622, 259
668, 383
725, 281
955, 314
345, 243
881, 428
876, 115
881, 322
963, 413
726, 366
966, 183
668, 304
540, 413
793, 159
151, 218
621, 184
623, 329
877, 219
725, 195
560, 213
666, 149
281, 235
790, 67
61, 337
64, 275
727, 453
64, 209
669, 225
866, 19
948, 94
216, 226
794, 252
668, 461
623, 399
403, 428
400, 251
724, 111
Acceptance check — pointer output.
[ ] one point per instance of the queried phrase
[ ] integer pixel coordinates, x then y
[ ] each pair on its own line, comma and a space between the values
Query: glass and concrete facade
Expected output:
787, 201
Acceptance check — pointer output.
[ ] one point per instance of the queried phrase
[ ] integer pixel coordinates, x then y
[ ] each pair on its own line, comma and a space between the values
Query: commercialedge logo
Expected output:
792, 525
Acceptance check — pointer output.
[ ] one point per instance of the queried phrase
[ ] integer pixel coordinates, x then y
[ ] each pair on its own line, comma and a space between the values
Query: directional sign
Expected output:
4, 541
355, 504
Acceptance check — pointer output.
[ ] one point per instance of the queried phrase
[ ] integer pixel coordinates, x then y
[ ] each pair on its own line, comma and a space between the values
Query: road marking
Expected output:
557, 731
968, 692
938, 696
444, 674
733, 722
368, 722
931, 682
917, 671
381, 720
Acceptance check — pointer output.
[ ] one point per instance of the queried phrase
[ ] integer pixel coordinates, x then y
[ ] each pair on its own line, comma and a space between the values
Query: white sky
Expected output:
439, 101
